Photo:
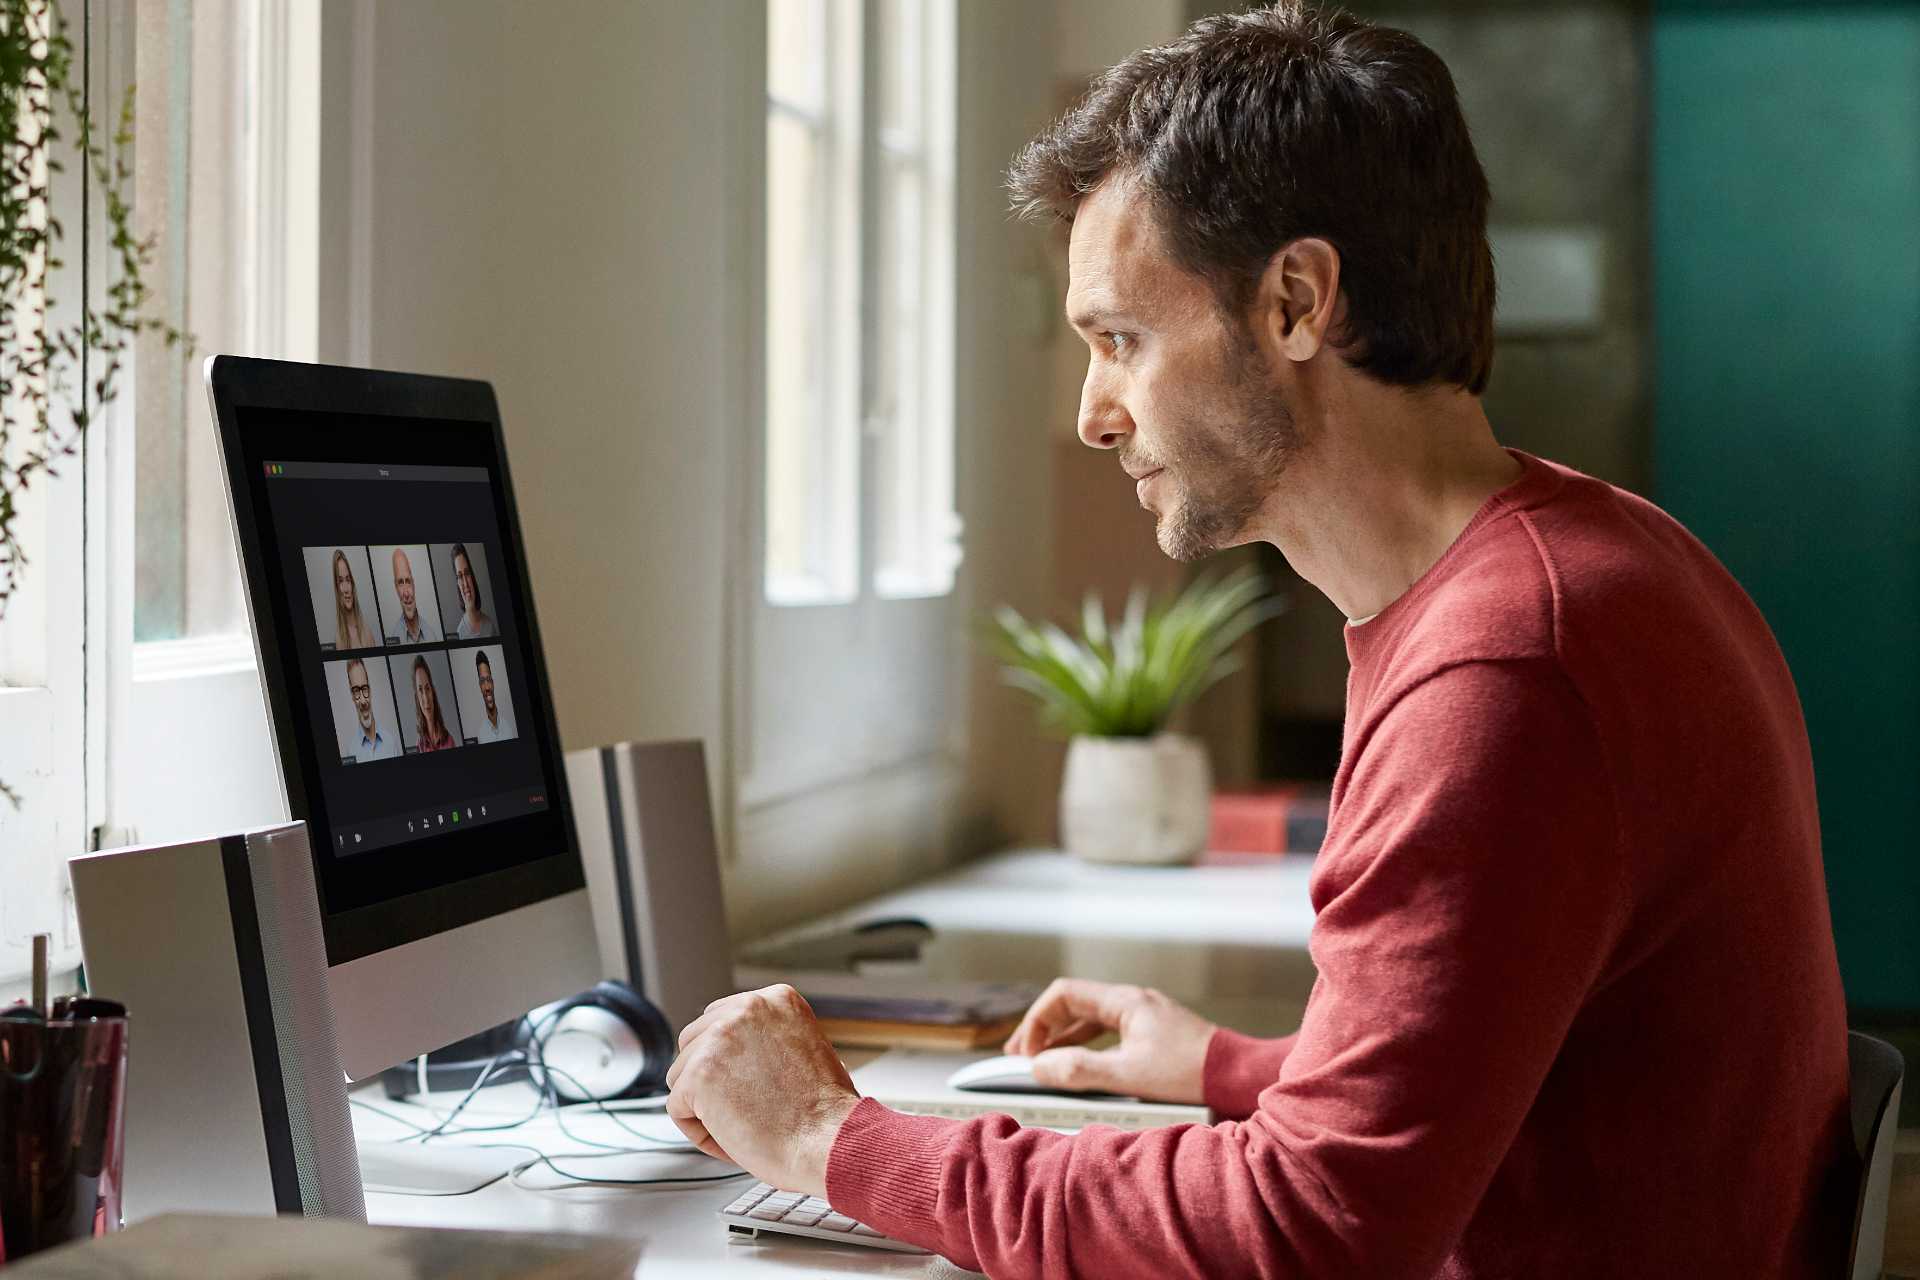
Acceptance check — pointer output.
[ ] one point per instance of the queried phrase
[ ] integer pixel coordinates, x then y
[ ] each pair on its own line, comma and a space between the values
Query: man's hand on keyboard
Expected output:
1162, 1052
757, 1083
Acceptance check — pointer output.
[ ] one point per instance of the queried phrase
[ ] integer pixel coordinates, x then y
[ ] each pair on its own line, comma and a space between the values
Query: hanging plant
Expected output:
46, 360
44, 93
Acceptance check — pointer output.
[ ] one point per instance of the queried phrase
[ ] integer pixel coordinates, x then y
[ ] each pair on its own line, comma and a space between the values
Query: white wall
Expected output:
1092, 35
546, 192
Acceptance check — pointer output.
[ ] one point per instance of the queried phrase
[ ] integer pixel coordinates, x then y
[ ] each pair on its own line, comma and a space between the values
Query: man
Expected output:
373, 744
412, 629
488, 727
1578, 1011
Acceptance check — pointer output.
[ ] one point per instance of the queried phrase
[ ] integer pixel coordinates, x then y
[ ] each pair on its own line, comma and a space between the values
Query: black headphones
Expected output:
605, 1043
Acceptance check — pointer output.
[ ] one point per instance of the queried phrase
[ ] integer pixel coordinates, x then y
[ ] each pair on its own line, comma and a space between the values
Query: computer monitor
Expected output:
402, 668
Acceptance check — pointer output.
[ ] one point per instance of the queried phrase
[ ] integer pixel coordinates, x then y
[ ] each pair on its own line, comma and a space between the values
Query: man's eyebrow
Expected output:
1094, 314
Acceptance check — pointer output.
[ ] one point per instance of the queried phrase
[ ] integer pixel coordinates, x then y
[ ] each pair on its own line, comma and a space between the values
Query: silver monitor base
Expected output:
410, 1169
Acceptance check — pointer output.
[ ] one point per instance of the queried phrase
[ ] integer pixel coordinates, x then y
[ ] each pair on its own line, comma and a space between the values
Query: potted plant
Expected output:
1133, 792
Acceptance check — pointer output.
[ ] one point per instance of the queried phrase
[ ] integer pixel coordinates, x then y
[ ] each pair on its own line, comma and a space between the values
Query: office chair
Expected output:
1875, 1069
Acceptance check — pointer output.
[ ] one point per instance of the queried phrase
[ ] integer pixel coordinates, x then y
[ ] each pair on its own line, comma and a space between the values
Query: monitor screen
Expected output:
390, 599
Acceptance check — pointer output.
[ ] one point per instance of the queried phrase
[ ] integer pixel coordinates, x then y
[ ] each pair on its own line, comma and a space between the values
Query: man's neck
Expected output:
493, 716
1385, 484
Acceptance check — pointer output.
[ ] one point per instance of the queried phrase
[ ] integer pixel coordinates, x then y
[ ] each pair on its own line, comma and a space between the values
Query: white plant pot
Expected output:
1140, 800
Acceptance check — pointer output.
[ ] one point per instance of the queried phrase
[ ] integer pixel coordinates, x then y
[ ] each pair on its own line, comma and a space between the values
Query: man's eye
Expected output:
1117, 342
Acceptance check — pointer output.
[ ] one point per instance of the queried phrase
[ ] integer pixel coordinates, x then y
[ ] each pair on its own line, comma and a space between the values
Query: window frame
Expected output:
829, 693
835, 556
199, 695
926, 480
52, 739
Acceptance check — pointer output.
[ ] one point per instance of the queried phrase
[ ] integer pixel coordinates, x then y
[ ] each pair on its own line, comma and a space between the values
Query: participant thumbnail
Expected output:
422, 678
486, 702
463, 610
407, 605
363, 720
339, 578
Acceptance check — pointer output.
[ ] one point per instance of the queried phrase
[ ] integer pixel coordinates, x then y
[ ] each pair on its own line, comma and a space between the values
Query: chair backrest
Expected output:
1874, 1069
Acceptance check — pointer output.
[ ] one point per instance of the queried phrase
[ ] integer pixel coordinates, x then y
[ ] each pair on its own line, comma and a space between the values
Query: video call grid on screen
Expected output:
432, 690
424, 697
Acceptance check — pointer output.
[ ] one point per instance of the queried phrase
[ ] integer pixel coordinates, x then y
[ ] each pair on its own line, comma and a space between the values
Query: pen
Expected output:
40, 942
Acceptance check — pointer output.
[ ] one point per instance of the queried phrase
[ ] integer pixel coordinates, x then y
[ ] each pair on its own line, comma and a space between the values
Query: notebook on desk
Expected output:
904, 1011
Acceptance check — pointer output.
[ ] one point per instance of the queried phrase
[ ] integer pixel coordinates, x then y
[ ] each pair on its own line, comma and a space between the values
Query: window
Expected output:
849, 643
49, 745
226, 175
811, 341
917, 544
859, 301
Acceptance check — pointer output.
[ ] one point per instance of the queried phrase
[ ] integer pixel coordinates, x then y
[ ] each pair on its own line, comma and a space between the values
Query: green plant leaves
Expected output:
40, 89
1127, 679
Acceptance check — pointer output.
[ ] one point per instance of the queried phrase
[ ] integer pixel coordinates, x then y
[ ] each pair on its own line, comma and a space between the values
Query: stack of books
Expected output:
1261, 822
867, 1011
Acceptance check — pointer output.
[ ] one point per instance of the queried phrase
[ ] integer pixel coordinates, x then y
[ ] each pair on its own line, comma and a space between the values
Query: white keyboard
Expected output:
766, 1208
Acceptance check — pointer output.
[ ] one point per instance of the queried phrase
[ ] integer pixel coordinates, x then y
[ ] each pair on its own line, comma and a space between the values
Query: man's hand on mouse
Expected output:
1162, 1054
757, 1083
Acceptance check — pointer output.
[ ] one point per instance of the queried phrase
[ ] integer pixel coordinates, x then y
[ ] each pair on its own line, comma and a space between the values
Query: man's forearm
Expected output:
1020, 1202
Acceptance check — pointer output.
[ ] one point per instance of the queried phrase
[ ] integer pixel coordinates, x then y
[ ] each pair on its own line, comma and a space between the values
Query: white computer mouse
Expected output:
1010, 1074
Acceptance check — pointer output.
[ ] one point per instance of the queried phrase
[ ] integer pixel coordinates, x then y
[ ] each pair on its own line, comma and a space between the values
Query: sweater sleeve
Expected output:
1465, 903
1238, 1067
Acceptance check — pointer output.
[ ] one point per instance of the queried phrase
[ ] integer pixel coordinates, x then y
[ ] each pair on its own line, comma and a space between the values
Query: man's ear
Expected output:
1298, 302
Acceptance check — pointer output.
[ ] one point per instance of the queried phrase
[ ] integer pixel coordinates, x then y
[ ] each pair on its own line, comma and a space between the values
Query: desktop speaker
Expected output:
236, 1100
653, 872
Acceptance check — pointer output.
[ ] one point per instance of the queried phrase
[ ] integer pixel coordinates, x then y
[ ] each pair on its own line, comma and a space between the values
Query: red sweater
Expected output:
1578, 1011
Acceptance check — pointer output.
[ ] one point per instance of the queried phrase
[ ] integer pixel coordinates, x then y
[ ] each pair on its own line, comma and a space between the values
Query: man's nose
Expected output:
1104, 423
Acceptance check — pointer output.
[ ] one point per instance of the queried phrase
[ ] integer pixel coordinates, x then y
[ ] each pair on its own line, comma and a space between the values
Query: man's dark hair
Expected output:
1255, 129
479, 661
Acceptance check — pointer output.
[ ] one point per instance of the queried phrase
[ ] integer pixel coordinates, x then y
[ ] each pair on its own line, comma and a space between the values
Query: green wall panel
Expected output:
1786, 236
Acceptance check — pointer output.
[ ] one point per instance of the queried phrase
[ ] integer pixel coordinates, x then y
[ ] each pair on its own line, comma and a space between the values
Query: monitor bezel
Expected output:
236, 383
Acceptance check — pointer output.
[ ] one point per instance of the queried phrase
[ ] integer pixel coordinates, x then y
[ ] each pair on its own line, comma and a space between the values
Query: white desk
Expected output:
679, 1234
680, 1237
1230, 941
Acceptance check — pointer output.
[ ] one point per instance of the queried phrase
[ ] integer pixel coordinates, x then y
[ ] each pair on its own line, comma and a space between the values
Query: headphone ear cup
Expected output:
532, 1035
650, 1027
606, 1043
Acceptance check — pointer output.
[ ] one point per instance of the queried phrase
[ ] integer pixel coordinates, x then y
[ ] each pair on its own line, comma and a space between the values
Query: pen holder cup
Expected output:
63, 1088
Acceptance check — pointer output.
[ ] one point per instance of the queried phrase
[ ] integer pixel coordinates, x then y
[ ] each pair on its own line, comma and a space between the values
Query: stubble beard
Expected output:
1225, 473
